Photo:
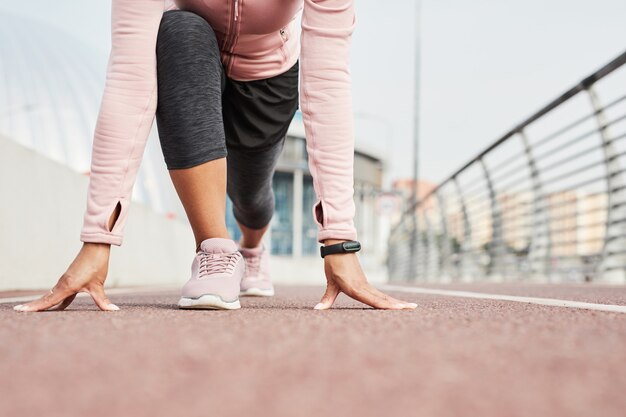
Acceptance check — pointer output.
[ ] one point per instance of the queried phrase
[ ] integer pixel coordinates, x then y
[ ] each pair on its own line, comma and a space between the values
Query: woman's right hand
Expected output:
87, 273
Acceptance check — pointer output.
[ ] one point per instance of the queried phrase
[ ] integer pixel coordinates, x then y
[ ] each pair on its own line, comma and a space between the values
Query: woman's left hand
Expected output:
345, 275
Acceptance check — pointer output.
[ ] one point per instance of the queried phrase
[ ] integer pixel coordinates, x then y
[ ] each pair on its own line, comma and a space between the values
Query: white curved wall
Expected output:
41, 210
50, 91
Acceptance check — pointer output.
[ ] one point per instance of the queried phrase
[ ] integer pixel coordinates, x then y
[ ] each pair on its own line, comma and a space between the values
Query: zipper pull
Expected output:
236, 9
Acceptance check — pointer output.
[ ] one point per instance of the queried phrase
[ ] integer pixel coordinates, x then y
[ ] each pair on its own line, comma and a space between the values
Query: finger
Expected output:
65, 303
54, 297
377, 299
399, 303
102, 301
329, 297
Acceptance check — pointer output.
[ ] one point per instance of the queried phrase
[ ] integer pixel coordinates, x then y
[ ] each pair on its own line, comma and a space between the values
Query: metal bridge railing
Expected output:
546, 202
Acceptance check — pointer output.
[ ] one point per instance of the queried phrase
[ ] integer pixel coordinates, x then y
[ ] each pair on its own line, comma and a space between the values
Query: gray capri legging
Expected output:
204, 115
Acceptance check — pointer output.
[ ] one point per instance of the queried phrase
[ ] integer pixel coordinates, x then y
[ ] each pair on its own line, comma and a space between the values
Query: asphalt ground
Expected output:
452, 356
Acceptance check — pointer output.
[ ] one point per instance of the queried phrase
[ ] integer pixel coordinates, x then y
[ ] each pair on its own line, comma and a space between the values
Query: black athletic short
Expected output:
204, 115
257, 113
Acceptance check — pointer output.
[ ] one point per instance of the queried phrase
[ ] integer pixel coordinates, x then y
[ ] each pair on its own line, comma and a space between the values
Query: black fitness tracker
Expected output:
341, 247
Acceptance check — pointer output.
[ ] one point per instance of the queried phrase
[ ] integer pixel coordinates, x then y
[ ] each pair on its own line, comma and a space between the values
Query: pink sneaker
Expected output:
216, 274
256, 279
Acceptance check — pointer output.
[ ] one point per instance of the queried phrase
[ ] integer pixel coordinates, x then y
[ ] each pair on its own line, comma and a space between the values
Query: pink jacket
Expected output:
256, 39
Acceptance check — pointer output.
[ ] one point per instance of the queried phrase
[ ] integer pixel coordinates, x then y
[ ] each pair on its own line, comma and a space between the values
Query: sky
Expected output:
485, 65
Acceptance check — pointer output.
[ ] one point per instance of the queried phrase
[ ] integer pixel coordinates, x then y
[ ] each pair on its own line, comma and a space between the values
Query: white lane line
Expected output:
503, 297
110, 291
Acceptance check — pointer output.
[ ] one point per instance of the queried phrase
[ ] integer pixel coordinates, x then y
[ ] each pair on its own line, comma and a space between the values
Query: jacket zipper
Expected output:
231, 43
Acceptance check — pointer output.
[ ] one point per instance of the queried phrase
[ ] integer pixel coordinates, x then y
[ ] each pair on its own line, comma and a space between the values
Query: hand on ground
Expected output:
345, 275
87, 273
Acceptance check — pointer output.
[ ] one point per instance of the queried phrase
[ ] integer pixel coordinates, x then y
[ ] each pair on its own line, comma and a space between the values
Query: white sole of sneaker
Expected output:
208, 302
256, 292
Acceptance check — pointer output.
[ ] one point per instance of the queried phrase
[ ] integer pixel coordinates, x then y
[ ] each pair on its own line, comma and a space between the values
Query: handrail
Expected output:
510, 221
581, 86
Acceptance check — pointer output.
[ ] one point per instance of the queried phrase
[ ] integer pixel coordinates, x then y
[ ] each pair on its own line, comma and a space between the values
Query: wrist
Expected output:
96, 249
333, 241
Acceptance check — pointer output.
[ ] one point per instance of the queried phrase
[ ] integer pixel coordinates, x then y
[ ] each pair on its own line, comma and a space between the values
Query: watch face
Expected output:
352, 246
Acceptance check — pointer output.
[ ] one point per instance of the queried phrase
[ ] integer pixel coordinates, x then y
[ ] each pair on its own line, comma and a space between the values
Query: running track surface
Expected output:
278, 357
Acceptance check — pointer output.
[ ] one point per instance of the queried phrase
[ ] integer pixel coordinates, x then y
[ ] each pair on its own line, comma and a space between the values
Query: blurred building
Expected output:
406, 185
576, 220
50, 90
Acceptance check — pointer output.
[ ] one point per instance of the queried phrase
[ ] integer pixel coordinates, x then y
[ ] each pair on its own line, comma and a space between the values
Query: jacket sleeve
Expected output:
125, 118
326, 103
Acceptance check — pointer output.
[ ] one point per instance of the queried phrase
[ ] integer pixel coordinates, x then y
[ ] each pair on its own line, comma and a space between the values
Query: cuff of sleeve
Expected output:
109, 238
324, 234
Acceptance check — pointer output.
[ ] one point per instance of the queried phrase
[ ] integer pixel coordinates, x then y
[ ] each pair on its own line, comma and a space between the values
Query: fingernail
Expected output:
318, 306
18, 308
113, 307
403, 306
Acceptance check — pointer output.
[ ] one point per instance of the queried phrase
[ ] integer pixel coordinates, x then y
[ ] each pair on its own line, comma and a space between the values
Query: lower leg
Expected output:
202, 191
249, 186
251, 238
189, 118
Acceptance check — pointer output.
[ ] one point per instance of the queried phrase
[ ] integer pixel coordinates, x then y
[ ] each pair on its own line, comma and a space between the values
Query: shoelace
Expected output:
214, 263
252, 264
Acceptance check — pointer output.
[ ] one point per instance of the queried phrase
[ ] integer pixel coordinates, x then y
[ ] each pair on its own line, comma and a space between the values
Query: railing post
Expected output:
540, 246
398, 254
413, 244
410, 269
420, 249
612, 266
497, 249
432, 252
445, 254
467, 263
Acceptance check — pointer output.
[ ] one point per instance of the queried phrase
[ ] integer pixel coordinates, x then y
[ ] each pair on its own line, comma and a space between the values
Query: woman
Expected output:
226, 74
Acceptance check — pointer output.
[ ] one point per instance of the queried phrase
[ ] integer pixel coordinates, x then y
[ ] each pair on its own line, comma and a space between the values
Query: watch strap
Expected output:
341, 247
